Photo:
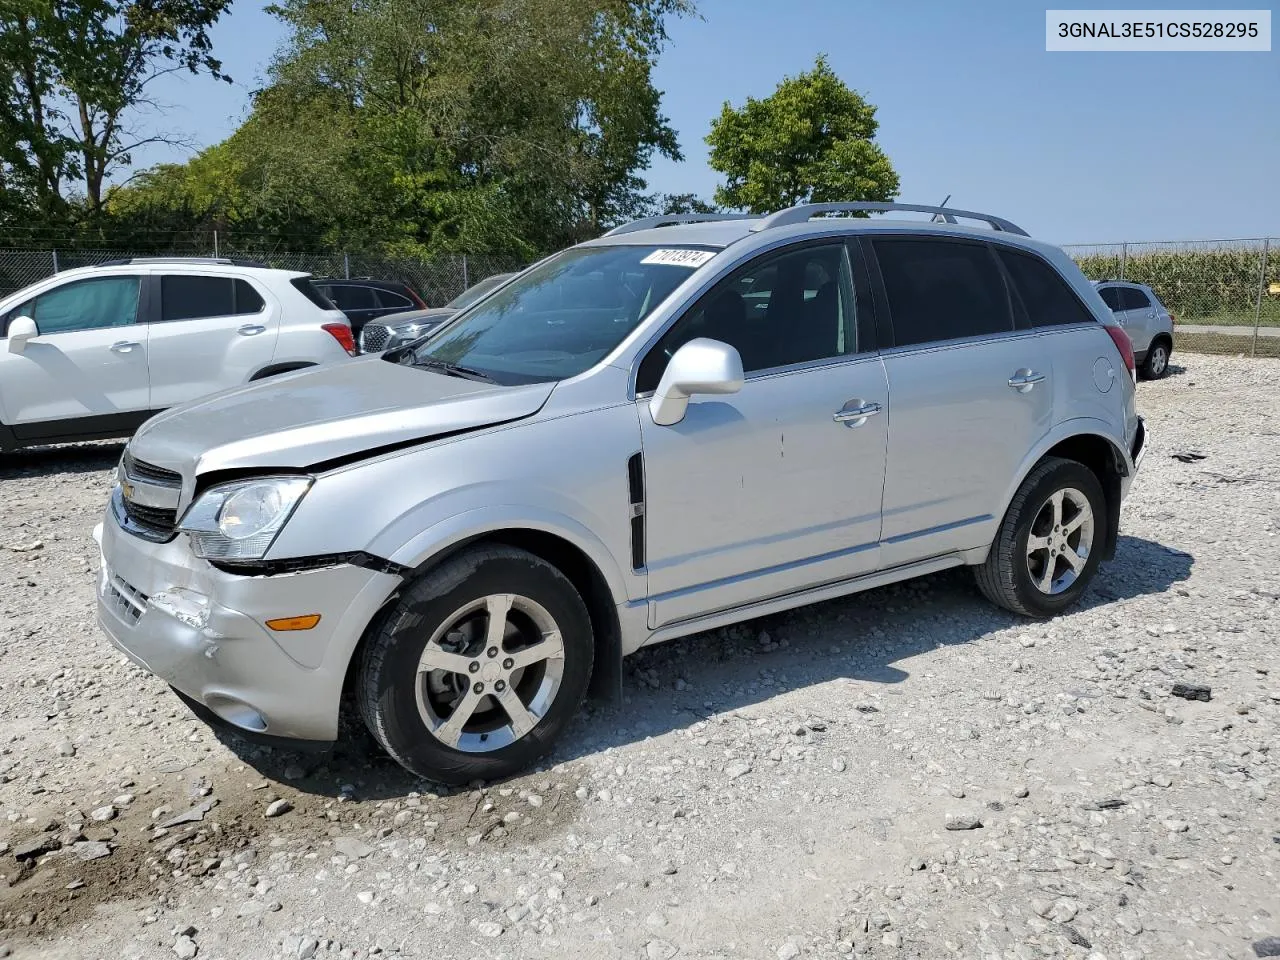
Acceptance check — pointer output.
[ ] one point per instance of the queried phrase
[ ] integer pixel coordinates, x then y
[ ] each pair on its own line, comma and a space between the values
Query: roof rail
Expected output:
671, 219
807, 211
222, 261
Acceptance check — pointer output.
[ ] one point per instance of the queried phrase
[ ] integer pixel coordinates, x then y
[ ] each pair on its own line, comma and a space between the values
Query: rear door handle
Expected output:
856, 416
251, 330
124, 346
1024, 380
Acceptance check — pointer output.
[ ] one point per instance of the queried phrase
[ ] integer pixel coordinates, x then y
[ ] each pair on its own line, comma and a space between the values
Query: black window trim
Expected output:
864, 321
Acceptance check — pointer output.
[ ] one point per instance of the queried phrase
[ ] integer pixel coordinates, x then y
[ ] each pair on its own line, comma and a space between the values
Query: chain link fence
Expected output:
437, 280
1224, 294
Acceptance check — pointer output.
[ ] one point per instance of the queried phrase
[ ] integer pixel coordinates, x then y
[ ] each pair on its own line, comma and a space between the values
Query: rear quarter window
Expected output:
1048, 299
308, 289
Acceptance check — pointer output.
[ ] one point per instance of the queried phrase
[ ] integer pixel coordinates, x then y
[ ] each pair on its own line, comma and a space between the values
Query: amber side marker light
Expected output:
304, 622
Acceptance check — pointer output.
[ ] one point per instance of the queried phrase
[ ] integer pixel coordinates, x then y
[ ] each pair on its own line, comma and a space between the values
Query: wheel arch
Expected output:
273, 369
1087, 442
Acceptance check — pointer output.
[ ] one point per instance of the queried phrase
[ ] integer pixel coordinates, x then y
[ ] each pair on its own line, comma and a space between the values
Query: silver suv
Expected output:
688, 422
1146, 320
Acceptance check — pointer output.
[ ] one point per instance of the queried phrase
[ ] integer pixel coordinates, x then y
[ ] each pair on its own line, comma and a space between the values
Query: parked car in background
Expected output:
1145, 319
613, 450
363, 299
91, 353
397, 330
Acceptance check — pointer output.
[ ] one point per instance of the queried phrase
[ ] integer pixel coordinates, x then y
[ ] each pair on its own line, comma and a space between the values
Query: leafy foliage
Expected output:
811, 140
77, 72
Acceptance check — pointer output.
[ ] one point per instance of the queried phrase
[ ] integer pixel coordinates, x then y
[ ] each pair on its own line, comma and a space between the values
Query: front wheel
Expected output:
478, 667
1049, 544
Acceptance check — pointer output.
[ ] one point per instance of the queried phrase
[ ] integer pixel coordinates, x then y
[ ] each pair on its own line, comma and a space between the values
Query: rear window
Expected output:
308, 289
1048, 299
395, 301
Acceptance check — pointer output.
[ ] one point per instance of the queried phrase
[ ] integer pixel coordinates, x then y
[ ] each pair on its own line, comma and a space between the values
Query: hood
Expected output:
437, 314
312, 416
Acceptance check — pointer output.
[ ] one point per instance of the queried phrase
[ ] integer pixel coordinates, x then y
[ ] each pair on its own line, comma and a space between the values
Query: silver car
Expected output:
688, 422
1146, 320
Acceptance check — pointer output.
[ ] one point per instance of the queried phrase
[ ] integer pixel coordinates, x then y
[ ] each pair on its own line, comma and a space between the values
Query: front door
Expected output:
86, 370
778, 487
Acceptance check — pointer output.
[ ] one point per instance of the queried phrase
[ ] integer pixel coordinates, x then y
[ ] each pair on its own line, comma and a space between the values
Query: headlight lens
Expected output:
240, 520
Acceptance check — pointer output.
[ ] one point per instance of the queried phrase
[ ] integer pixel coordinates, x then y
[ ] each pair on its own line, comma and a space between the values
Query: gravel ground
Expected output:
907, 773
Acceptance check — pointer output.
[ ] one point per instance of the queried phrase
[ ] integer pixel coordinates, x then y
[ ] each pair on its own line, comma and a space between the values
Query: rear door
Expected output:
1139, 317
359, 302
969, 392
208, 331
86, 371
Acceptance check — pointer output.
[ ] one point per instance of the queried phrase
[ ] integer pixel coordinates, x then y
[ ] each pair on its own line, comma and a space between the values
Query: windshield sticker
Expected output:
680, 258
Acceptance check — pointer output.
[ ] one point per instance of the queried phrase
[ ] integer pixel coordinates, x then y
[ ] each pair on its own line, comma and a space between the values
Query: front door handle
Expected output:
251, 330
856, 416
124, 346
1024, 380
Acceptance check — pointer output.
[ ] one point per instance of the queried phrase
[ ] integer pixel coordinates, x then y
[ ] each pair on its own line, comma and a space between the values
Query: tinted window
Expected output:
559, 319
939, 290
308, 289
389, 300
191, 297
85, 305
1134, 299
1111, 297
1048, 299
353, 298
782, 309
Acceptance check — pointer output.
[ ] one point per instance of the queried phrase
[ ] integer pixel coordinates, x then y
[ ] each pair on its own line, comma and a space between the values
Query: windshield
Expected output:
562, 317
469, 296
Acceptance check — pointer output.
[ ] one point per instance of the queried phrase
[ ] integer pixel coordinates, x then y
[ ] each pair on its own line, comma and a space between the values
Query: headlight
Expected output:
240, 520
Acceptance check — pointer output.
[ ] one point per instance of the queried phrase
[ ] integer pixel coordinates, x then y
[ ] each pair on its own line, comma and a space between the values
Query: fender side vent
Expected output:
635, 482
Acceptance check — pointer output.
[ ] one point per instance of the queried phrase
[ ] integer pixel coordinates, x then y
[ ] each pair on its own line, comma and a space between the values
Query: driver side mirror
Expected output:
701, 366
21, 329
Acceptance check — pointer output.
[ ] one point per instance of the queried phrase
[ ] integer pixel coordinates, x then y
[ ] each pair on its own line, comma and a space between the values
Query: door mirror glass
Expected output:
21, 329
701, 366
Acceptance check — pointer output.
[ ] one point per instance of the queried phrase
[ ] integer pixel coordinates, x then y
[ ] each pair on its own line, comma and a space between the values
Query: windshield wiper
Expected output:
453, 369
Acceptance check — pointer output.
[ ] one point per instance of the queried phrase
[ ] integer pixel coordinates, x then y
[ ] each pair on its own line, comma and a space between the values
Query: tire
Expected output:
410, 709
1013, 576
1156, 363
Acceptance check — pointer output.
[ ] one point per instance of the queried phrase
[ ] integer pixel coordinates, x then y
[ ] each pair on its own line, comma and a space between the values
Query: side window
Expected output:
247, 299
941, 289
782, 309
1134, 299
1111, 297
390, 300
87, 305
1049, 300
353, 298
191, 297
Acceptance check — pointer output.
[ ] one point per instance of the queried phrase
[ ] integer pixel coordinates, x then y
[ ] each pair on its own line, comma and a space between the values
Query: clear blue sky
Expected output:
1076, 147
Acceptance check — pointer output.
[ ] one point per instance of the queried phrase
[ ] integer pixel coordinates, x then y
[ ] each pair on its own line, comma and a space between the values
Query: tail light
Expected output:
413, 295
1125, 346
342, 333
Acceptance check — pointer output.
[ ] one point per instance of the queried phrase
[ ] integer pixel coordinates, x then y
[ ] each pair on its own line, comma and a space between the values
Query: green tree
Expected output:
811, 141
76, 74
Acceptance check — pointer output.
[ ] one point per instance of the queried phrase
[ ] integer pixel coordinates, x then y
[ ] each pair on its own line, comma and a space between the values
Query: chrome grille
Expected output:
148, 499
128, 602
149, 473
374, 338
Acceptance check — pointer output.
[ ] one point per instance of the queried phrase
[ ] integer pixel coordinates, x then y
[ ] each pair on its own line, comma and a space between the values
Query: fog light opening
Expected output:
236, 712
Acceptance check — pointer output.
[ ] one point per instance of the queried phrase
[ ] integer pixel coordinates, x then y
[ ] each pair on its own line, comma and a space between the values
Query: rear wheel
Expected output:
478, 667
1050, 542
1156, 364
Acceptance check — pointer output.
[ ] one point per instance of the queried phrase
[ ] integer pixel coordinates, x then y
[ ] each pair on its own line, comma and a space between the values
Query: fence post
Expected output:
346, 266
465, 284
1124, 258
1257, 308
54, 253
215, 244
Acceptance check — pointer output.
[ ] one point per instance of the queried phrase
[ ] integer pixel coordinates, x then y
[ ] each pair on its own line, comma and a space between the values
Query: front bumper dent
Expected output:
203, 631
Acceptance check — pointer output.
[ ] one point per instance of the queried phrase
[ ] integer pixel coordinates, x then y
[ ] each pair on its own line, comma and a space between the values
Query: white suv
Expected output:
92, 353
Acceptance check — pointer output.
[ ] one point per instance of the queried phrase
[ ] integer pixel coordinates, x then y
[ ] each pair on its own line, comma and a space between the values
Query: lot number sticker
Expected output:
680, 258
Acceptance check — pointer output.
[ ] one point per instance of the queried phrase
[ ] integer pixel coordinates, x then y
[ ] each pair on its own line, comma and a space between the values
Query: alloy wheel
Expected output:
1060, 540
